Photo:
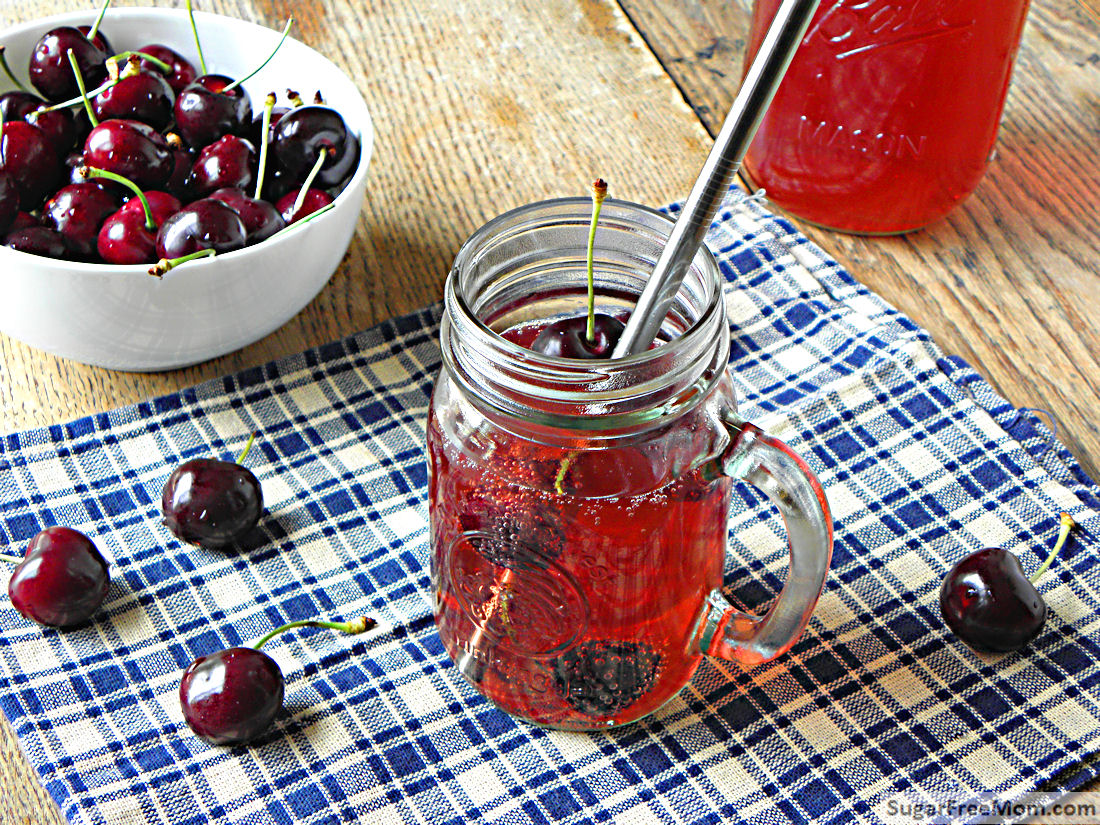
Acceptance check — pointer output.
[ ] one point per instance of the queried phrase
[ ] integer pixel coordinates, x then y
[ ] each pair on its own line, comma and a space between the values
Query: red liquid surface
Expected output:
888, 113
570, 584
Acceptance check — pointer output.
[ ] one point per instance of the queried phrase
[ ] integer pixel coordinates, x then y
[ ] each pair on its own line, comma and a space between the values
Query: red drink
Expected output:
888, 113
572, 583
579, 508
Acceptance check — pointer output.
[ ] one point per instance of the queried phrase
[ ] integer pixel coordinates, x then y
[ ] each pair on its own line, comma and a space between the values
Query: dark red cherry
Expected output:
255, 134
50, 71
182, 161
37, 240
231, 696
99, 41
17, 104
303, 133
163, 205
990, 604
261, 219
230, 161
61, 581
58, 125
314, 200
131, 149
9, 201
568, 338
234, 695
988, 601
143, 96
210, 502
206, 112
125, 239
129, 236
204, 224
276, 185
182, 73
29, 157
76, 212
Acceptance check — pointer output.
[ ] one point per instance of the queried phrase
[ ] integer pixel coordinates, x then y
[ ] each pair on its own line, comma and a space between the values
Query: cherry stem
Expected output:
1063, 534
294, 98
7, 70
13, 559
165, 264
236, 83
132, 67
92, 172
94, 30
355, 626
76, 101
156, 61
301, 199
599, 192
312, 215
269, 106
247, 447
195, 34
83, 91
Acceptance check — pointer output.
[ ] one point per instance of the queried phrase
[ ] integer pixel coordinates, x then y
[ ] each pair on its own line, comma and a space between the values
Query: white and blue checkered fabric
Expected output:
922, 462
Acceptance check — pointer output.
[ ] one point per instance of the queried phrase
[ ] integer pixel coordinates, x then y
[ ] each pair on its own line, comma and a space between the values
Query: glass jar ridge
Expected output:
529, 264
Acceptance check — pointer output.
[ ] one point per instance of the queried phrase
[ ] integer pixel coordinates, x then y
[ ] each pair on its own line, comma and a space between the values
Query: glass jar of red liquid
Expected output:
887, 115
579, 509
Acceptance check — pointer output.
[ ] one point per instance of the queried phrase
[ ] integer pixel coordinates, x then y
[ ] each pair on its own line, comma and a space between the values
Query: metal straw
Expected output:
753, 98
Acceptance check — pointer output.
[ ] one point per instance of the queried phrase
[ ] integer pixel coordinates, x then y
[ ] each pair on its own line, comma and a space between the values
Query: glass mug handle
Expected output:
777, 471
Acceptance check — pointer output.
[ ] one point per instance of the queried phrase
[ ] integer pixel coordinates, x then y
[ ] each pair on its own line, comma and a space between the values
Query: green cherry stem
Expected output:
247, 447
195, 34
236, 83
7, 70
599, 192
294, 98
298, 201
165, 264
125, 57
99, 19
301, 222
77, 101
269, 106
83, 91
1067, 525
355, 626
92, 172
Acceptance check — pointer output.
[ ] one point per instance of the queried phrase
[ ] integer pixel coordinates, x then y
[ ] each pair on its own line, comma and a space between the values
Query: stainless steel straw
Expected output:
753, 98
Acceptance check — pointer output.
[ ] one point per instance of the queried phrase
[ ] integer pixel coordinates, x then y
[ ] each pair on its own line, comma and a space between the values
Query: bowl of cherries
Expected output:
166, 195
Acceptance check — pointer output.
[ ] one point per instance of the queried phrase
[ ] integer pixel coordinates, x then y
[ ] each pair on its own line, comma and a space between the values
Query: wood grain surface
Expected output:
479, 107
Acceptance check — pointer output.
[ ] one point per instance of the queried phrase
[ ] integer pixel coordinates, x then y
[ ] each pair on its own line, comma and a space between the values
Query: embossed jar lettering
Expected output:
887, 116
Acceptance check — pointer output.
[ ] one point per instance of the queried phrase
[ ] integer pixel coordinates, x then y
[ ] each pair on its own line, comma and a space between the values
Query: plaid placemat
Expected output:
922, 462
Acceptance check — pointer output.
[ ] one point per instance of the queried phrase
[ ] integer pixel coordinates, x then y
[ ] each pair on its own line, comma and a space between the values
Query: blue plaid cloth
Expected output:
922, 462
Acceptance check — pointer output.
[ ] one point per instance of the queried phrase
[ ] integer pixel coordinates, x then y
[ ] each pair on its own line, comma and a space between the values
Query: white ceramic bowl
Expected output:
122, 318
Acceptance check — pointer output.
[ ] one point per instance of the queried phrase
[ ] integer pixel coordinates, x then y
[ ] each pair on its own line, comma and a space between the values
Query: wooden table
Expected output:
480, 107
